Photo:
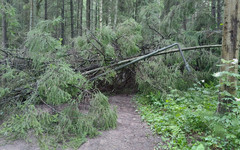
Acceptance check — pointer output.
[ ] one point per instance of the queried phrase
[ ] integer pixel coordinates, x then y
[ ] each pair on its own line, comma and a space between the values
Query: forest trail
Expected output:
131, 133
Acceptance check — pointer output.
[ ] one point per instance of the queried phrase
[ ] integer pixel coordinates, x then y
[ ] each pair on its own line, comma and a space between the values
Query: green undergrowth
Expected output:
188, 120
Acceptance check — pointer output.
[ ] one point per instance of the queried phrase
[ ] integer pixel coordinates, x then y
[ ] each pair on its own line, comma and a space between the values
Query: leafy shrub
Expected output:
185, 119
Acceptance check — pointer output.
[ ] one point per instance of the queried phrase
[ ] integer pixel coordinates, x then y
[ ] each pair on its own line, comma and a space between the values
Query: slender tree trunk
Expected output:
46, 10
230, 50
96, 14
31, 14
4, 26
214, 10
101, 13
88, 14
109, 12
116, 14
185, 23
81, 18
72, 22
78, 11
219, 13
136, 10
63, 23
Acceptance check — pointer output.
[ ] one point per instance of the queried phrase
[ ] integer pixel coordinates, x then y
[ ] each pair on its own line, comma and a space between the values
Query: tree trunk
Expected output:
81, 18
101, 13
214, 10
109, 12
230, 50
78, 16
115, 14
96, 14
136, 10
46, 10
4, 26
185, 23
88, 14
31, 14
219, 13
63, 23
72, 23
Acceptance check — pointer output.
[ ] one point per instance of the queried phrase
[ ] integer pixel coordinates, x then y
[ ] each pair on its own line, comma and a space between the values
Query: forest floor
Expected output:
131, 133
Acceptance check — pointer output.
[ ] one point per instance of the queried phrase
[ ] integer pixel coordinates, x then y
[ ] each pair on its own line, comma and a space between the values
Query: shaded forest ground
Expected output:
130, 134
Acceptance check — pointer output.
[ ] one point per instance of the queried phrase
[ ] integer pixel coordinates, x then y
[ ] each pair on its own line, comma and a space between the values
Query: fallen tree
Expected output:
137, 57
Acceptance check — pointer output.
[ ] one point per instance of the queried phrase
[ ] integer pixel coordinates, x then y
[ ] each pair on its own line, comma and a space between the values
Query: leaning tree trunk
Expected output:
230, 50
4, 26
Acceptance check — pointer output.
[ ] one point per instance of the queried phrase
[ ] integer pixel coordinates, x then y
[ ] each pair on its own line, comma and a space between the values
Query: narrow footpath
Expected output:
130, 134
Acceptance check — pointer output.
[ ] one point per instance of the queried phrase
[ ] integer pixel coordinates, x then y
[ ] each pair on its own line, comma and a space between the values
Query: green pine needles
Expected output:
45, 97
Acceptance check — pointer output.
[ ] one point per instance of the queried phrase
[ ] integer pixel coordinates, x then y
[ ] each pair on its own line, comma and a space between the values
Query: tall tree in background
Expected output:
81, 18
101, 13
63, 23
214, 10
115, 14
4, 26
46, 10
109, 12
88, 14
230, 49
72, 23
219, 13
31, 22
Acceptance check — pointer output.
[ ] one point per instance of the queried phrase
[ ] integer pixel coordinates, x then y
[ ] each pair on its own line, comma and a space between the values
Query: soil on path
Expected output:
131, 133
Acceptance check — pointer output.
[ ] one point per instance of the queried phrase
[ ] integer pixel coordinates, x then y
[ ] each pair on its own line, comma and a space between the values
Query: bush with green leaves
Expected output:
188, 119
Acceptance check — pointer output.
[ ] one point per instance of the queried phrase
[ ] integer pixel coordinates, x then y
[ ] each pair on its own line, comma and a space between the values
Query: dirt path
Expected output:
130, 134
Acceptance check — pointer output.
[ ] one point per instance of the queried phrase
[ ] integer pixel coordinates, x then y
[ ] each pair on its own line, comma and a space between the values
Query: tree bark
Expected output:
72, 22
31, 14
46, 10
88, 14
78, 15
109, 13
101, 13
81, 18
115, 14
96, 14
136, 10
4, 26
230, 50
63, 23
214, 10
219, 13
